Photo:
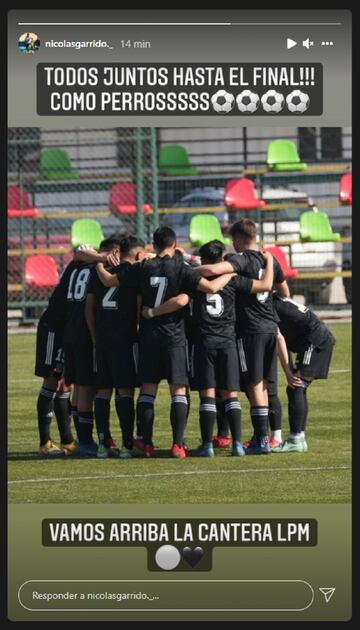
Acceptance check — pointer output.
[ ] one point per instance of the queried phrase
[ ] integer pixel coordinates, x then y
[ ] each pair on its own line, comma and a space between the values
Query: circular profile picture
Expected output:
29, 43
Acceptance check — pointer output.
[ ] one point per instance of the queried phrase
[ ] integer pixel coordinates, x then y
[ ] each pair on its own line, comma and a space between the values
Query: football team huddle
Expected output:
122, 318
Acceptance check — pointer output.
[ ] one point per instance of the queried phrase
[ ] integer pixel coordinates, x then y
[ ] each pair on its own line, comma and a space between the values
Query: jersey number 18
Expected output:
78, 291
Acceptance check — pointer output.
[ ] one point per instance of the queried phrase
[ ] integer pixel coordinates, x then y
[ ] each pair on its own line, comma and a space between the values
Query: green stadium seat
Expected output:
315, 226
282, 155
174, 160
205, 228
86, 231
55, 164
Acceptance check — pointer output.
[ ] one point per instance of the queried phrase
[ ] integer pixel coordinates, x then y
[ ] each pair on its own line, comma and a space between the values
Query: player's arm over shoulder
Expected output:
108, 279
217, 269
170, 306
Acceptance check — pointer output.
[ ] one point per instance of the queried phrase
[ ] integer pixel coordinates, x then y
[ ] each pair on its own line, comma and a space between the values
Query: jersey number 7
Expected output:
161, 283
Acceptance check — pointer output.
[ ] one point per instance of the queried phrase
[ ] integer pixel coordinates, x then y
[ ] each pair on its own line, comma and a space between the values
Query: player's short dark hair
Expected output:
108, 244
212, 251
127, 243
246, 228
163, 237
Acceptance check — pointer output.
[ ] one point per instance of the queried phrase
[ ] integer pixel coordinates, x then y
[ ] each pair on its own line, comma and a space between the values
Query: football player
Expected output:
112, 316
256, 327
54, 395
307, 336
80, 359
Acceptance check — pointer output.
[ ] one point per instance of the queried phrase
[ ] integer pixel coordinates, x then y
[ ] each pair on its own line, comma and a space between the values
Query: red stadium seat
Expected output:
19, 204
123, 199
345, 194
241, 194
280, 256
41, 271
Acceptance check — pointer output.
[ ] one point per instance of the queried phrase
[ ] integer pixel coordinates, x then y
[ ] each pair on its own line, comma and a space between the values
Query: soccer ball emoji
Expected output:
272, 101
248, 101
297, 101
222, 101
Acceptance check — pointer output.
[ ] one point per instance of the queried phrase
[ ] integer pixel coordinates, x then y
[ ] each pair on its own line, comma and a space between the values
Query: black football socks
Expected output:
125, 410
232, 411
62, 410
178, 418
45, 408
207, 418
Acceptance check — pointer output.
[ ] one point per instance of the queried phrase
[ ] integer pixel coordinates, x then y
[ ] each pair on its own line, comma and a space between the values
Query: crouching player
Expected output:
215, 357
307, 336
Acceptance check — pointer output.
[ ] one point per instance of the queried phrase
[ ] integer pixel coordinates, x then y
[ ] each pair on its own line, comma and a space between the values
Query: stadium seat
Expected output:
280, 256
123, 199
55, 164
19, 204
315, 226
86, 231
41, 271
345, 195
282, 155
205, 228
241, 194
174, 160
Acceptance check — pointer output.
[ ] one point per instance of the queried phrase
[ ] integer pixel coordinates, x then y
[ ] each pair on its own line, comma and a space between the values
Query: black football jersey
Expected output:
115, 307
76, 330
54, 314
300, 326
214, 314
254, 311
157, 280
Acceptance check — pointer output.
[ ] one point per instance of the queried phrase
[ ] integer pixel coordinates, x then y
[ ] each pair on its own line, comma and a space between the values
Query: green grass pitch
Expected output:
320, 476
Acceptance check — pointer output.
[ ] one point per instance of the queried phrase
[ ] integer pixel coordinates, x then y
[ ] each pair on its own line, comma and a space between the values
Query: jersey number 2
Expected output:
107, 302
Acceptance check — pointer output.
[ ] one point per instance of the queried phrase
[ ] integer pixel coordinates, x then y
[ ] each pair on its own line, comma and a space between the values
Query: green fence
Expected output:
56, 178
116, 178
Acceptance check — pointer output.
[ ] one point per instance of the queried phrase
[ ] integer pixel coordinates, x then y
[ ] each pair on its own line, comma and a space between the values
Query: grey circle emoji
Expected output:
167, 557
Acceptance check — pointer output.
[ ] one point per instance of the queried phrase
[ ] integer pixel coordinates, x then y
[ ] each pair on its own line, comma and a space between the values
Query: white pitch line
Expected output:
37, 380
338, 371
180, 473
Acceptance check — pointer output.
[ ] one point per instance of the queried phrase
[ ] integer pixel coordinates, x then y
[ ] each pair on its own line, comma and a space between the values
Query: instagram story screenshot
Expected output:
179, 315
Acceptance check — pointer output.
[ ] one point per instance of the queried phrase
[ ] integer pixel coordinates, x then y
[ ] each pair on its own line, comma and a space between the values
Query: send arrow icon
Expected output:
328, 593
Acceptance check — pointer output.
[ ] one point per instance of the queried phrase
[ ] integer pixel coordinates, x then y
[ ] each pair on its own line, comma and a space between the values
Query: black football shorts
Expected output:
49, 354
257, 357
159, 361
80, 364
117, 364
216, 367
315, 361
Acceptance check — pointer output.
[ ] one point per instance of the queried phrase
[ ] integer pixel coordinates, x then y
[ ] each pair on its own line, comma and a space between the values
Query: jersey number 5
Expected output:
262, 297
161, 283
214, 304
